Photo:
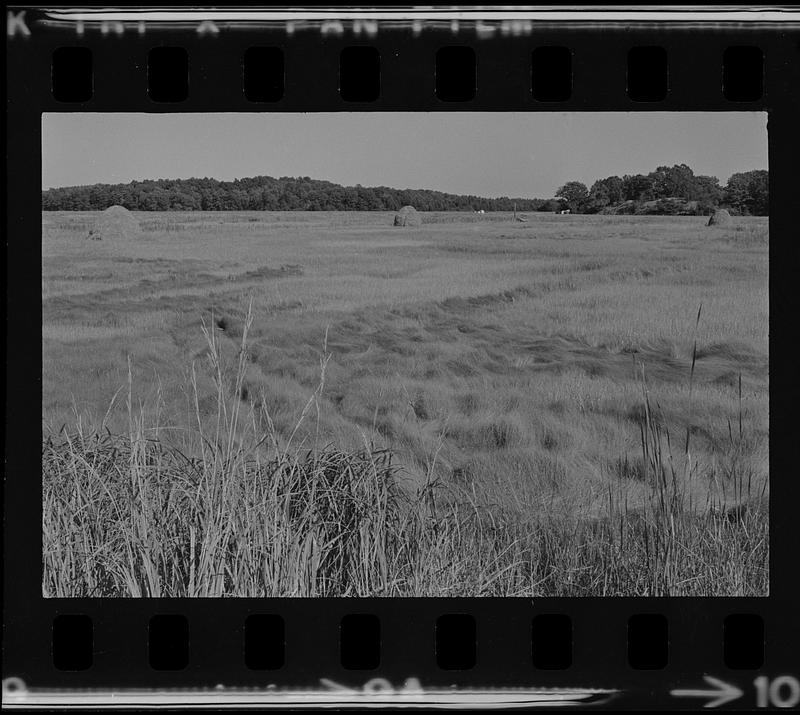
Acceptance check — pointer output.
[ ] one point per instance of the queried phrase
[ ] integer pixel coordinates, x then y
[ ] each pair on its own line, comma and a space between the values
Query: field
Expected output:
303, 404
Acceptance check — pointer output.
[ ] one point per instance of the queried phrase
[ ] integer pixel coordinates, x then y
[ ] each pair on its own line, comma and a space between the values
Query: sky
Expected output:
484, 153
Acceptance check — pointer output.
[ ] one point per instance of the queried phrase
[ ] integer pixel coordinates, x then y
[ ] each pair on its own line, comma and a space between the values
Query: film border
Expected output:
694, 48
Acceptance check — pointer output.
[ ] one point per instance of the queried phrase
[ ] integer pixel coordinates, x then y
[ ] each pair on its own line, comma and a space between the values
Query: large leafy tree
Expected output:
748, 192
574, 193
637, 187
707, 191
608, 191
673, 182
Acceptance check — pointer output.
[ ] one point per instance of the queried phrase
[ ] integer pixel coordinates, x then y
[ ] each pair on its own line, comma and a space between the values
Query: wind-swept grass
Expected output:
237, 507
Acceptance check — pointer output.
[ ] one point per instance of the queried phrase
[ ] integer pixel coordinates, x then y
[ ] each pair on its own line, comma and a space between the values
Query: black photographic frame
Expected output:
599, 659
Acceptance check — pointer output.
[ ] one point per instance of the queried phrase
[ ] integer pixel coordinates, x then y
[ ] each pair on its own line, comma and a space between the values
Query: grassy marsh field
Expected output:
304, 404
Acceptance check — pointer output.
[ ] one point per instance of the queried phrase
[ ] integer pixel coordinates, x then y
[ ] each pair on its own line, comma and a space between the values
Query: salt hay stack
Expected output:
115, 223
407, 216
719, 218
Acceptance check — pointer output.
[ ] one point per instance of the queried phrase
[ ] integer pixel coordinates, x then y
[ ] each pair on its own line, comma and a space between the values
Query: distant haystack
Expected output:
719, 218
115, 223
407, 216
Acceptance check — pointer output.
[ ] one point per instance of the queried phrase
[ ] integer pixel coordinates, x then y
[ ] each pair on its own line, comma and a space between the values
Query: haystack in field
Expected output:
719, 218
115, 223
407, 216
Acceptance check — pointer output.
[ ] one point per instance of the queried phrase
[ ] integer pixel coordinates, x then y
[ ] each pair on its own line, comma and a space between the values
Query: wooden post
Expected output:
515, 210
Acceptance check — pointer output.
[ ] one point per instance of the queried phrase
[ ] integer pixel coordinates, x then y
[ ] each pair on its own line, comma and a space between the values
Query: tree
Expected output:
637, 187
608, 191
673, 181
748, 192
708, 192
574, 193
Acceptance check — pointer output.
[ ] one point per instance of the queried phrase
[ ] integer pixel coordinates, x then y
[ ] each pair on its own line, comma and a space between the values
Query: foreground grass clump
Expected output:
138, 518
141, 519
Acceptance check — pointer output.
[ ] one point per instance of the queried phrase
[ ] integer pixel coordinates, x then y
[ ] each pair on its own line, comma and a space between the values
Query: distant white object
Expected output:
481, 211
565, 211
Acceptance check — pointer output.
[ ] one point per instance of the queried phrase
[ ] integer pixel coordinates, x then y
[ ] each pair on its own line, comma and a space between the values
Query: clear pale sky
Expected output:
488, 154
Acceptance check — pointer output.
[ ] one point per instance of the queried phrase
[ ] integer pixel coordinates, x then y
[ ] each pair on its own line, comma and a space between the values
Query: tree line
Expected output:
264, 193
669, 190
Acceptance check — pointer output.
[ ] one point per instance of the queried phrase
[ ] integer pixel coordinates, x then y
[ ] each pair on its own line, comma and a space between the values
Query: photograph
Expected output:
405, 354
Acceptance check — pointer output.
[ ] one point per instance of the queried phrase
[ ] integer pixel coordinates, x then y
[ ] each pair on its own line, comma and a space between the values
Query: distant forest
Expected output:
667, 190
264, 193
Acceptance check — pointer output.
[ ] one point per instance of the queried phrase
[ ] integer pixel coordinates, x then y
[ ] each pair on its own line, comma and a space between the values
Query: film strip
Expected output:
643, 649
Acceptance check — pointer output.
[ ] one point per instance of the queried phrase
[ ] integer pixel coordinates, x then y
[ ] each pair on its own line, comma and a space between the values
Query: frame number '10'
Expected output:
780, 692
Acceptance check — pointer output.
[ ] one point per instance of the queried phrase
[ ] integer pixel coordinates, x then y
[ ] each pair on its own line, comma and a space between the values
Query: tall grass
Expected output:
238, 508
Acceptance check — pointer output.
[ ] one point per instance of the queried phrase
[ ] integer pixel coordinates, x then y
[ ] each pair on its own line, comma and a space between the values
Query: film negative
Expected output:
409, 357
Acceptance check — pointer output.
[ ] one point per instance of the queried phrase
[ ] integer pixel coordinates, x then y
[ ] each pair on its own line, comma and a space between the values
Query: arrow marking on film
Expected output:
722, 693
